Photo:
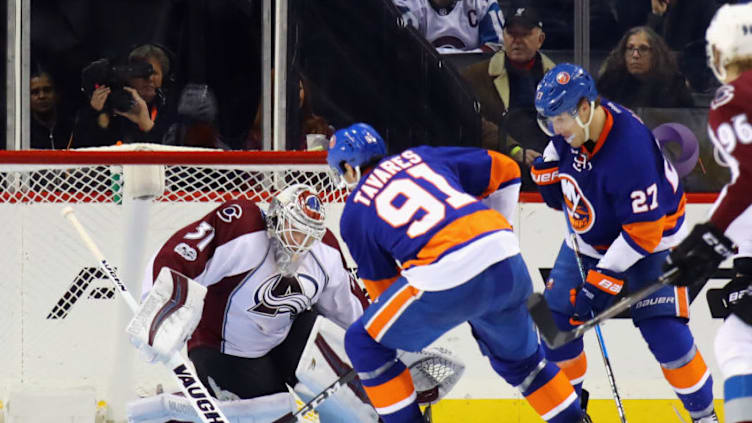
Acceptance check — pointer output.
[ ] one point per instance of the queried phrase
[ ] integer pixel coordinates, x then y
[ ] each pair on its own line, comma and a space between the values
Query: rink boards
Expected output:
87, 348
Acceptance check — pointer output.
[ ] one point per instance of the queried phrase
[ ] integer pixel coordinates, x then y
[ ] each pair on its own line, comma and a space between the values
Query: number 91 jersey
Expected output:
730, 129
419, 215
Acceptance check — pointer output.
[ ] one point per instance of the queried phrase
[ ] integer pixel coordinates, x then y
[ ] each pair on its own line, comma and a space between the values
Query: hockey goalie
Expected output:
262, 300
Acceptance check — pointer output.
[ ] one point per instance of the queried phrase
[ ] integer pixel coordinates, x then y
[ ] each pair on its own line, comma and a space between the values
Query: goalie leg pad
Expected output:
324, 360
165, 407
167, 317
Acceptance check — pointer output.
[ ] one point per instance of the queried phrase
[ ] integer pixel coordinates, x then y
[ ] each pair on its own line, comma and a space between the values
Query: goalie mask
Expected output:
728, 37
295, 222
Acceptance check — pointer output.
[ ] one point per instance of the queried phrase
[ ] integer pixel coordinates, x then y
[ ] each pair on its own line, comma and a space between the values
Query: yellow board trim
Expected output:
601, 410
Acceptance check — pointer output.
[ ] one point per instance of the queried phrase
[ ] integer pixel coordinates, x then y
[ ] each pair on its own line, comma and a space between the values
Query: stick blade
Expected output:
544, 320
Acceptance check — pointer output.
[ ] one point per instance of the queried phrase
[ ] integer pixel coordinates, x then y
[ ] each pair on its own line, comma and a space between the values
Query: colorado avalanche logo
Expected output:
579, 210
284, 294
563, 77
310, 204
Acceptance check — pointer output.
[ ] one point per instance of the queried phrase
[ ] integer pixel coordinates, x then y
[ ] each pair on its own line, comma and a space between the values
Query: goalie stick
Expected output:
555, 338
204, 404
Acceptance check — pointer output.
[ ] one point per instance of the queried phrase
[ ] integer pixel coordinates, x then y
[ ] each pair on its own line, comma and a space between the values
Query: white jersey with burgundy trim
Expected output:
249, 306
730, 129
465, 25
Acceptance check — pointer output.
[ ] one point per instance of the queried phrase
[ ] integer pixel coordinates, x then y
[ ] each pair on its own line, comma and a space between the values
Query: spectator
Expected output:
505, 87
455, 25
642, 72
50, 129
309, 123
145, 120
196, 124
682, 23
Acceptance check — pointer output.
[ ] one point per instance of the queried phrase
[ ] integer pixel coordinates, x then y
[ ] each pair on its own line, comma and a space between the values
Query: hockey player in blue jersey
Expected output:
429, 230
625, 206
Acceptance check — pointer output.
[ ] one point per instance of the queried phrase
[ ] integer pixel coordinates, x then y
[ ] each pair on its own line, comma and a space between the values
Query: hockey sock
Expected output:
386, 379
544, 386
672, 344
571, 357
737, 392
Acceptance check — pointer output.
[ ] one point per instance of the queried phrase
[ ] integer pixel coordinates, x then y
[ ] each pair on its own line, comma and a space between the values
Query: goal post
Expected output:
62, 328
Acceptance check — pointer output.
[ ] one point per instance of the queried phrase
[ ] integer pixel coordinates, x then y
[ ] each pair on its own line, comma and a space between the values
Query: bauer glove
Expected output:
699, 255
546, 176
600, 288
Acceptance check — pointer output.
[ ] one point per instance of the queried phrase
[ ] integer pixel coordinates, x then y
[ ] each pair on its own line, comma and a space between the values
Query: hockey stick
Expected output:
555, 338
201, 401
601, 343
319, 398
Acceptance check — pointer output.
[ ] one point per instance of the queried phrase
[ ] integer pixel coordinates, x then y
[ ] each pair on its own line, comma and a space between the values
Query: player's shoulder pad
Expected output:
331, 241
241, 210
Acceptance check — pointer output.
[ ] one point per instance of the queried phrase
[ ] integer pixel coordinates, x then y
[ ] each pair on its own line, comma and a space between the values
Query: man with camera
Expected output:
126, 103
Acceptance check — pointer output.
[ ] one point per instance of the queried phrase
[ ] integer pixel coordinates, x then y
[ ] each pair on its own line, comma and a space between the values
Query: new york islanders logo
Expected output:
580, 212
563, 77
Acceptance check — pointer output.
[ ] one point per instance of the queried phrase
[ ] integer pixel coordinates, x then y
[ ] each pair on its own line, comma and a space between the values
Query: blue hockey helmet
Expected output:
561, 89
355, 145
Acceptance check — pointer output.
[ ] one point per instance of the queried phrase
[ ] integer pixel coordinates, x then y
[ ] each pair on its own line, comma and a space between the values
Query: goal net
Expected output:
62, 325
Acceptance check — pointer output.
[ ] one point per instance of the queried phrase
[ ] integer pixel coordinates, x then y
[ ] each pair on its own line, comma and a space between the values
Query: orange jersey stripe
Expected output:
682, 301
550, 395
390, 310
687, 375
574, 368
392, 391
646, 234
673, 219
503, 169
461, 230
375, 288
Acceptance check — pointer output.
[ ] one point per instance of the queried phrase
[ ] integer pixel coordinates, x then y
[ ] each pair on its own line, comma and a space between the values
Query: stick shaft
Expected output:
204, 404
598, 333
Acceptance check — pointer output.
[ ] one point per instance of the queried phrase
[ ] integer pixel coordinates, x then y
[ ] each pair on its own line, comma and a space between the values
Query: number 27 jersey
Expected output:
419, 215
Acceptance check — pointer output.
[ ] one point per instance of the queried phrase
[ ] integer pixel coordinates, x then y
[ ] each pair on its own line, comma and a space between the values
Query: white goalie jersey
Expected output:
465, 25
249, 305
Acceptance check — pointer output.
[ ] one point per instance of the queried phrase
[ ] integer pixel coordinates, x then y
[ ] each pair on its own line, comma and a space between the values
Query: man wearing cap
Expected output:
505, 87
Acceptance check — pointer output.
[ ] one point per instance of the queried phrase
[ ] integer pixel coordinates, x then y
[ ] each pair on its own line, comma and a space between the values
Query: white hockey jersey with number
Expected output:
249, 307
466, 25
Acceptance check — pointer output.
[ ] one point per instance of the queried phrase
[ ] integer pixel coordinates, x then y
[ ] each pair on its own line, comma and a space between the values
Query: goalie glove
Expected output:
699, 255
167, 317
546, 177
600, 288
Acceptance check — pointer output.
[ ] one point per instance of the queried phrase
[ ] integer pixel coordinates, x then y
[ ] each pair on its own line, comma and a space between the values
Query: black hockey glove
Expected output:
739, 291
699, 255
